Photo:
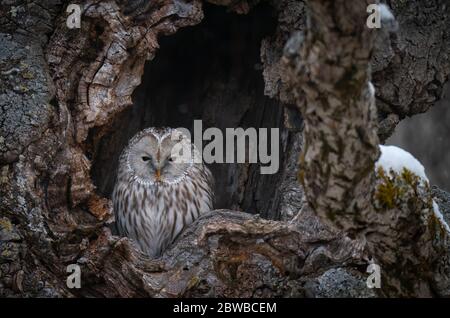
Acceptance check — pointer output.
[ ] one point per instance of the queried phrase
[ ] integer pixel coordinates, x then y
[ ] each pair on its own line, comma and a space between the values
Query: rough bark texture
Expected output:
330, 75
52, 214
66, 96
329, 68
410, 66
410, 63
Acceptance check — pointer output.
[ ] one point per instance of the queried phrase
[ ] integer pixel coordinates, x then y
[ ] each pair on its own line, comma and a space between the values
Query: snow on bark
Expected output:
396, 159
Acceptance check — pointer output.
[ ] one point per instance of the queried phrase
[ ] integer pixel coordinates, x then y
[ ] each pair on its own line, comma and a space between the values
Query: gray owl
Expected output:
159, 190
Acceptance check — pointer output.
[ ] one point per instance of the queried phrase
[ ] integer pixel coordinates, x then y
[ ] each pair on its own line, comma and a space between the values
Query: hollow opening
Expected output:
211, 72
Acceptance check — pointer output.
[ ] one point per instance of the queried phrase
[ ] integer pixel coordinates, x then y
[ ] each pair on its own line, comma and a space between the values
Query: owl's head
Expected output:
155, 156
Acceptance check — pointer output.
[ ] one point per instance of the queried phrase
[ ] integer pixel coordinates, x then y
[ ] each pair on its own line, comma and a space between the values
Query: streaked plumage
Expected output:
153, 209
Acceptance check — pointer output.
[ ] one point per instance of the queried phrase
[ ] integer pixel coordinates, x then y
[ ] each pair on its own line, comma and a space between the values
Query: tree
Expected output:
66, 96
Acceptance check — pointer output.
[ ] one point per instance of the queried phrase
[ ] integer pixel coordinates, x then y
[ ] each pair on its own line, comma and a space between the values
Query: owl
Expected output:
160, 188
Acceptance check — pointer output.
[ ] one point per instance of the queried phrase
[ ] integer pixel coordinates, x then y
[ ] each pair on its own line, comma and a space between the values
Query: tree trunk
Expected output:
71, 99
330, 73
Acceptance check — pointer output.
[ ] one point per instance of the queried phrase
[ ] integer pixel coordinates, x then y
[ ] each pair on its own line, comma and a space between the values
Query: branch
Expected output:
393, 214
330, 75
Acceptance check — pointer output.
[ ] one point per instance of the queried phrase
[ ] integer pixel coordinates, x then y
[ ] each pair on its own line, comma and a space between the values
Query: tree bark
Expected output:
67, 98
331, 81
330, 73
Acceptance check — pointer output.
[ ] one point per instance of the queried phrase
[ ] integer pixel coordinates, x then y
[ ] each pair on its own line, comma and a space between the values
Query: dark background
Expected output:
427, 137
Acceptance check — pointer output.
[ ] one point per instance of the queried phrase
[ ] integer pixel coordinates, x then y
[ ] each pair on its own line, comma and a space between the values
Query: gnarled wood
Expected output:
61, 91
329, 68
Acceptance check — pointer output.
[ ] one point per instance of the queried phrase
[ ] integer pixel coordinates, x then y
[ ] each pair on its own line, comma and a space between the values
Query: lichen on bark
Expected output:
78, 81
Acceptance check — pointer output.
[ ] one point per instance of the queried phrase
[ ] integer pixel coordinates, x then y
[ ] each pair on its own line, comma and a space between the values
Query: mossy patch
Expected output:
410, 178
395, 190
27, 75
5, 224
392, 187
387, 192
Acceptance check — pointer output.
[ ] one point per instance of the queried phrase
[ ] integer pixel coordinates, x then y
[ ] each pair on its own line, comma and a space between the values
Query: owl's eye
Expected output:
145, 158
170, 159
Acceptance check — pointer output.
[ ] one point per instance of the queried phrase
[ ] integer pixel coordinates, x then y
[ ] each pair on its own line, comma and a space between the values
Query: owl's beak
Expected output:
158, 175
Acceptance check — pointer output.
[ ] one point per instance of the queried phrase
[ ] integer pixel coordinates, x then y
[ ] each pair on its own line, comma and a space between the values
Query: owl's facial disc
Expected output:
153, 168
170, 169
151, 161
